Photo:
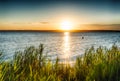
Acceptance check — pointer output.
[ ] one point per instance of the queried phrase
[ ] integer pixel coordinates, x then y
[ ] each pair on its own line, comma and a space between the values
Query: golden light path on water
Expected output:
66, 47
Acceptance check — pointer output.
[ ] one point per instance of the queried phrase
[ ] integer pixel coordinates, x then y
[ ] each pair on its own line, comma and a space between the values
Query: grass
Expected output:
99, 64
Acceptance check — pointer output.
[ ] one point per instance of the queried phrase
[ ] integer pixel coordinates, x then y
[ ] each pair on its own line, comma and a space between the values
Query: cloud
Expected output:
30, 23
44, 22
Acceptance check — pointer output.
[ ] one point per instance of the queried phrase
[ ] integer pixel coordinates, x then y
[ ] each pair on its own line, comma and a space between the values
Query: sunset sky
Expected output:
49, 14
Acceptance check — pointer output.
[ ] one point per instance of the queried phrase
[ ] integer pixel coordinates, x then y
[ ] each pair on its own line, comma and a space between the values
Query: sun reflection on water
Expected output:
66, 46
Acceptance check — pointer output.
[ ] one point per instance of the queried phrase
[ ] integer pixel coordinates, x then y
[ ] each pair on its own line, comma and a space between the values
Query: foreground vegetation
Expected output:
99, 64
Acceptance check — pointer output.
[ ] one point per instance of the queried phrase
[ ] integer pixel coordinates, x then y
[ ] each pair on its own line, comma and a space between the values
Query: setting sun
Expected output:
66, 25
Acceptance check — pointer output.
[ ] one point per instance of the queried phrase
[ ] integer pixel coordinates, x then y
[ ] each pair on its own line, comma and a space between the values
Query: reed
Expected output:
99, 64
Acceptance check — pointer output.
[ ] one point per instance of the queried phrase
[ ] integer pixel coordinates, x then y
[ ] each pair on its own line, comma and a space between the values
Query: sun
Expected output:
66, 25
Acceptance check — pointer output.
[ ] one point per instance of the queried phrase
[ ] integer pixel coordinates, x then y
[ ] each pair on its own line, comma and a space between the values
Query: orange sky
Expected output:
48, 26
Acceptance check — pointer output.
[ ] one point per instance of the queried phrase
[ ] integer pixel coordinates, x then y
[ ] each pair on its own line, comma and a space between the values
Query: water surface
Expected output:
64, 45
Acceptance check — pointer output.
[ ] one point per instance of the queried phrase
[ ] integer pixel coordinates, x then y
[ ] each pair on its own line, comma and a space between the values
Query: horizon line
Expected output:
59, 30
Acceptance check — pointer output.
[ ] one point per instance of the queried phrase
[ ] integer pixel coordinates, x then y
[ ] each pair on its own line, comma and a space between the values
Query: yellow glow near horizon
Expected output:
66, 33
66, 25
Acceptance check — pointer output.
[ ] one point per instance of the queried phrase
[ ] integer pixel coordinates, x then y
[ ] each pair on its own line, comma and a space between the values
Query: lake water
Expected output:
64, 45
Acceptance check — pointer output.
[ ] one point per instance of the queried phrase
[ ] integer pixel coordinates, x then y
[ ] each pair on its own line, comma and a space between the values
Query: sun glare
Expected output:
66, 25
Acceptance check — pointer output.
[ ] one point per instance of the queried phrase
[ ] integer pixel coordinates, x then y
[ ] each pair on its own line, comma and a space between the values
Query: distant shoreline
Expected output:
59, 30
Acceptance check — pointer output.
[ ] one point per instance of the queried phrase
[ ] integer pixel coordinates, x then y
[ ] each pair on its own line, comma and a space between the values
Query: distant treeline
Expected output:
59, 30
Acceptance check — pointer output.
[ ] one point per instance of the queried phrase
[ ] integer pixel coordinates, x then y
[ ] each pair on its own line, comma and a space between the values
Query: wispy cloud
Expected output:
29, 23
102, 26
44, 22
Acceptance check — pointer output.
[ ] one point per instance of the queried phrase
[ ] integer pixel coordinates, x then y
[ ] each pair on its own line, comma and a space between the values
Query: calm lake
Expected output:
64, 45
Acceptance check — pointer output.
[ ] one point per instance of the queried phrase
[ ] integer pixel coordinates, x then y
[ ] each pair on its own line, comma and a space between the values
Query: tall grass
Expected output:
99, 64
